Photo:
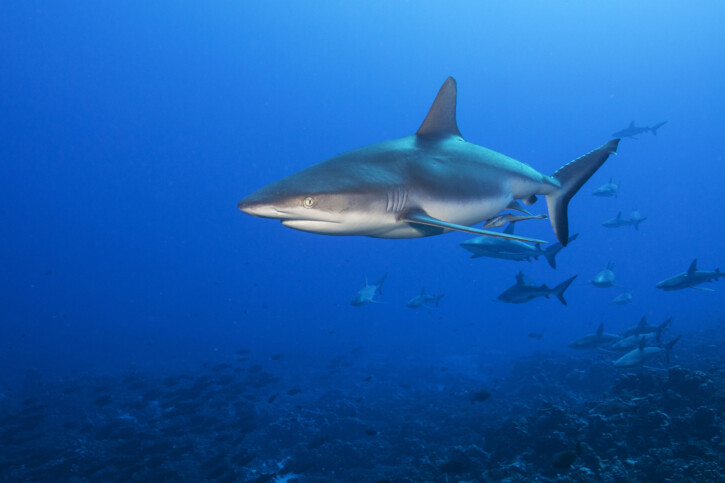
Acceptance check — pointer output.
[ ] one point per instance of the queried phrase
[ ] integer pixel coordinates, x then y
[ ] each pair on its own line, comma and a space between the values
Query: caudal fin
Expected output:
561, 288
572, 176
551, 252
379, 285
438, 298
656, 127
669, 346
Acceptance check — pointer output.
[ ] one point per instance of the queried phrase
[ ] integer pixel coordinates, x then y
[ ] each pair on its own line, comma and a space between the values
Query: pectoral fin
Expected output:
419, 216
704, 289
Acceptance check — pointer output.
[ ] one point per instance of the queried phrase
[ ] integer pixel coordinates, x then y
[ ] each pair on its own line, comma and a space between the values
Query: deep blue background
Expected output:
129, 131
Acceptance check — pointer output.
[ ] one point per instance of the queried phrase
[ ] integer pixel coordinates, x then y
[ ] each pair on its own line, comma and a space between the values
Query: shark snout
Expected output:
255, 208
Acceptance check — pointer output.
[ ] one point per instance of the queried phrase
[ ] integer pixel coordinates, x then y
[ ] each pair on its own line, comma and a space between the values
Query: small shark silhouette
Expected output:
365, 295
595, 340
608, 190
619, 221
691, 279
643, 353
430, 183
423, 299
526, 290
631, 131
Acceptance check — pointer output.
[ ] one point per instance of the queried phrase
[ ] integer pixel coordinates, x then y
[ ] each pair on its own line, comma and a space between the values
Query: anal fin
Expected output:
419, 216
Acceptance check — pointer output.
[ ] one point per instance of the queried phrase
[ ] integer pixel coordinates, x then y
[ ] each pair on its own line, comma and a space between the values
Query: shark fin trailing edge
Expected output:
441, 118
572, 177
561, 288
419, 216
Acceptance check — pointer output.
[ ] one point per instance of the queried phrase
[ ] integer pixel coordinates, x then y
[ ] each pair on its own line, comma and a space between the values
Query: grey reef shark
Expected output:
366, 294
595, 340
430, 183
619, 221
644, 353
631, 131
691, 279
608, 190
424, 299
525, 290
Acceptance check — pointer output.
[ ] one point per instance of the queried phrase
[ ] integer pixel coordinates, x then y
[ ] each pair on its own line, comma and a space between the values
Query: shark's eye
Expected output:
309, 202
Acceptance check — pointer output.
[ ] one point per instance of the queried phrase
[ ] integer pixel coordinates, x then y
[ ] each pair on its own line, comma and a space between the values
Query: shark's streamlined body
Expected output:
691, 279
631, 131
643, 353
595, 340
526, 290
426, 184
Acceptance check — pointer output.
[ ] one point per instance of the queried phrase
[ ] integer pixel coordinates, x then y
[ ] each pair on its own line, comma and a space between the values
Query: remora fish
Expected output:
423, 299
690, 279
365, 295
595, 340
643, 353
426, 184
631, 131
501, 220
526, 290
609, 189
507, 249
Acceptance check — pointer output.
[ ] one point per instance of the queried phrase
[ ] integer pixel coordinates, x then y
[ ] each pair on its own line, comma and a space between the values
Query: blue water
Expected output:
129, 131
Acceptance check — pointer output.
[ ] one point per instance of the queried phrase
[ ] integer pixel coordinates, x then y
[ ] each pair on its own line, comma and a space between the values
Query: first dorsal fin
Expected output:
631, 124
693, 267
441, 119
600, 330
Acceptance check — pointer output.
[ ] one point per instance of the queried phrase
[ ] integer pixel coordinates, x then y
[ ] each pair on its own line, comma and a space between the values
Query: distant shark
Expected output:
365, 295
430, 183
507, 249
619, 221
595, 340
642, 354
423, 299
608, 190
691, 279
622, 299
605, 278
631, 131
526, 290
645, 328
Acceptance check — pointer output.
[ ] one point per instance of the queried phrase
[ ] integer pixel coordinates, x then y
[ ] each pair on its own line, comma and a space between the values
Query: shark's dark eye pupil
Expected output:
309, 201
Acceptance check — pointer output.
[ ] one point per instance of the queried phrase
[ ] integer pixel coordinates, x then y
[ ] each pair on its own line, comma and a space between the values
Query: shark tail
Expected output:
572, 177
379, 285
438, 298
636, 223
550, 256
656, 127
559, 289
669, 346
